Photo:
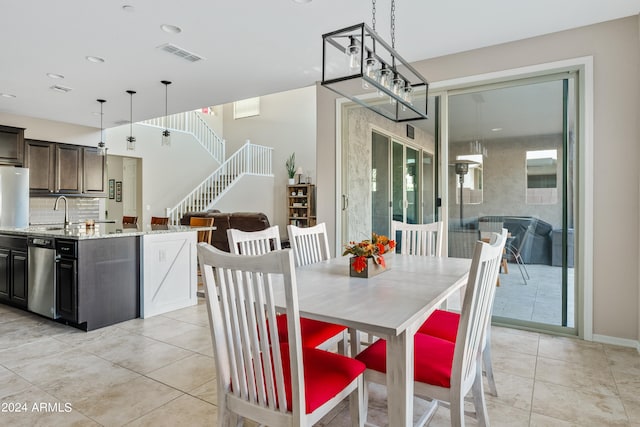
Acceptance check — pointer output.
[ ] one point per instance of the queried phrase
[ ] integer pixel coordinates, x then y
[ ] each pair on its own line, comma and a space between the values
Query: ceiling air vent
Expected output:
180, 52
62, 89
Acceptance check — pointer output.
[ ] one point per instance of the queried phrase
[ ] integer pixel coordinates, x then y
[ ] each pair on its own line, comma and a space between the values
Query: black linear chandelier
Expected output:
359, 65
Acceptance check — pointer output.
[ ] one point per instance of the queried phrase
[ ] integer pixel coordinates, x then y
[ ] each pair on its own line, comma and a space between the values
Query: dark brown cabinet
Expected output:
67, 169
11, 145
40, 159
13, 270
94, 172
67, 289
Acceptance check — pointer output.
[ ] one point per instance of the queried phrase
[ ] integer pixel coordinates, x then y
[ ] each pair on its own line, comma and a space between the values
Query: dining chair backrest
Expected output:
203, 235
490, 224
476, 310
254, 242
159, 220
310, 244
249, 368
418, 239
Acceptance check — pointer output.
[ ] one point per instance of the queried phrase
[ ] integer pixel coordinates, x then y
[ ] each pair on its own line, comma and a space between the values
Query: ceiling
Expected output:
251, 47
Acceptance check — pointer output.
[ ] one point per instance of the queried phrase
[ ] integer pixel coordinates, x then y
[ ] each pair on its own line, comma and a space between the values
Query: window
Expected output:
246, 108
542, 177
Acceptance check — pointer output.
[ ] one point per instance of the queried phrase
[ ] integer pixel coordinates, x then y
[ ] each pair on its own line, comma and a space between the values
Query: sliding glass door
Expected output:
512, 156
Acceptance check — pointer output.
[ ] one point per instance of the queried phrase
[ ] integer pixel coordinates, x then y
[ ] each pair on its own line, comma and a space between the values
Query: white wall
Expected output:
287, 122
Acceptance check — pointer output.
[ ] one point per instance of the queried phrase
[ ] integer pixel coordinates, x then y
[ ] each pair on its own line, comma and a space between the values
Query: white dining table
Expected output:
391, 305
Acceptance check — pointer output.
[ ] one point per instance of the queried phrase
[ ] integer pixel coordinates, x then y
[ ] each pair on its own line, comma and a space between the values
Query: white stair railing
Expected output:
251, 159
193, 123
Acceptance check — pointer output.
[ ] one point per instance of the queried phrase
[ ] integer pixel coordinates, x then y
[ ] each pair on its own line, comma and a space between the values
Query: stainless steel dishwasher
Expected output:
42, 276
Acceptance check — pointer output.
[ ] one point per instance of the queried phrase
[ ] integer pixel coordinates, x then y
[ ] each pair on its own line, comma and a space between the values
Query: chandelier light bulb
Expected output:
353, 52
370, 71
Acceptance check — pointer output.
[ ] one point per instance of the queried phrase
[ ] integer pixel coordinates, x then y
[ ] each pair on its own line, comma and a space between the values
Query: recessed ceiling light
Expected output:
128, 8
61, 89
496, 129
302, 1
95, 59
7, 95
171, 29
55, 76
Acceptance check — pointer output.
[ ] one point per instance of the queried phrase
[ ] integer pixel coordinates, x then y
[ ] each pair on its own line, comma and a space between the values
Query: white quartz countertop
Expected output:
99, 231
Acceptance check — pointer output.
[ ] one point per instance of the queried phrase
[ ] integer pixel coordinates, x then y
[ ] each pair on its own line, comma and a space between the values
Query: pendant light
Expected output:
102, 146
131, 140
166, 135
389, 85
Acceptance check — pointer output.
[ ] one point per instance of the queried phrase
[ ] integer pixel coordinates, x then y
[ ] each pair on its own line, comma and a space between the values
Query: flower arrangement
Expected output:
374, 248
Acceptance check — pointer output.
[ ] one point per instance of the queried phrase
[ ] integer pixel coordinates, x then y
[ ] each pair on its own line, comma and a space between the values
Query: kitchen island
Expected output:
108, 274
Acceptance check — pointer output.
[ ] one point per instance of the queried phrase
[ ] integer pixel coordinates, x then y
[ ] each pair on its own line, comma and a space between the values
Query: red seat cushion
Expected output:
442, 324
433, 359
313, 332
325, 375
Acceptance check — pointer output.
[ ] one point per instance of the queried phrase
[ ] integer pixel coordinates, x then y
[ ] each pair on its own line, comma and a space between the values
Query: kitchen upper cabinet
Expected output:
94, 172
11, 145
40, 159
67, 169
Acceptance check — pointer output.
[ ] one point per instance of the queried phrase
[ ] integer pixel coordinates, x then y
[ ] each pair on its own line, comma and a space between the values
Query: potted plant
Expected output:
291, 168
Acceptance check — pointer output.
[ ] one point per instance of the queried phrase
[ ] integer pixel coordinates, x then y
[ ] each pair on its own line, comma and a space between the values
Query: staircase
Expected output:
193, 123
251, 159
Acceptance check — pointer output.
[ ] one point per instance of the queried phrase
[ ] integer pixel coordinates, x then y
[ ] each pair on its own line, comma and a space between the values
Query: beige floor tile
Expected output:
505, 415
186, 374
513, 391
11, 384
632, 407
74, 374
514, 363
573, 375
126, 402
185, 411
197, 340
577, 406
539, 420
158, 327
197, 315
503, 339
80, 338
586, 354
136, 352
28, 330
628, 387
207, 392
40, 409
19, 356
624, 362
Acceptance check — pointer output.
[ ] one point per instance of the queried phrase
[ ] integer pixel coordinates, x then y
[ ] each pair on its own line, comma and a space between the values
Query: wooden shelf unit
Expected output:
301, 205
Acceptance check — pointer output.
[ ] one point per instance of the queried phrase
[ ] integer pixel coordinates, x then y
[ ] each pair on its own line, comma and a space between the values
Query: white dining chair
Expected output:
418, 239
275, 385
446, 371
310, 244
444, 324
254, 242
315, 333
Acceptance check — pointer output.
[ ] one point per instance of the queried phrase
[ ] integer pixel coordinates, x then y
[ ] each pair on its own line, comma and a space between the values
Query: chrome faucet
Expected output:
66, 210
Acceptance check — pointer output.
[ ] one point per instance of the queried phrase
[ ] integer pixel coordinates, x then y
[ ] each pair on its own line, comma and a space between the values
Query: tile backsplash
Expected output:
80, 209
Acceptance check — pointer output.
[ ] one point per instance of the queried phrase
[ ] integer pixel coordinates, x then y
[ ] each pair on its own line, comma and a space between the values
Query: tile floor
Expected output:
160, 372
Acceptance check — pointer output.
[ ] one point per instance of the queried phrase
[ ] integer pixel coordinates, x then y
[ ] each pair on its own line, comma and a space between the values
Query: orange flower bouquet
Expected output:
374, 249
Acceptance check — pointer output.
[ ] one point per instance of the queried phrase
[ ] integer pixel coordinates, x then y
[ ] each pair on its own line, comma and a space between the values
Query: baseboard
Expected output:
623, 342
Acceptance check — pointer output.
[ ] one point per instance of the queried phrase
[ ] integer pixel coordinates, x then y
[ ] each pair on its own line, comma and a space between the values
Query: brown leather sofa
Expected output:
245, 221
